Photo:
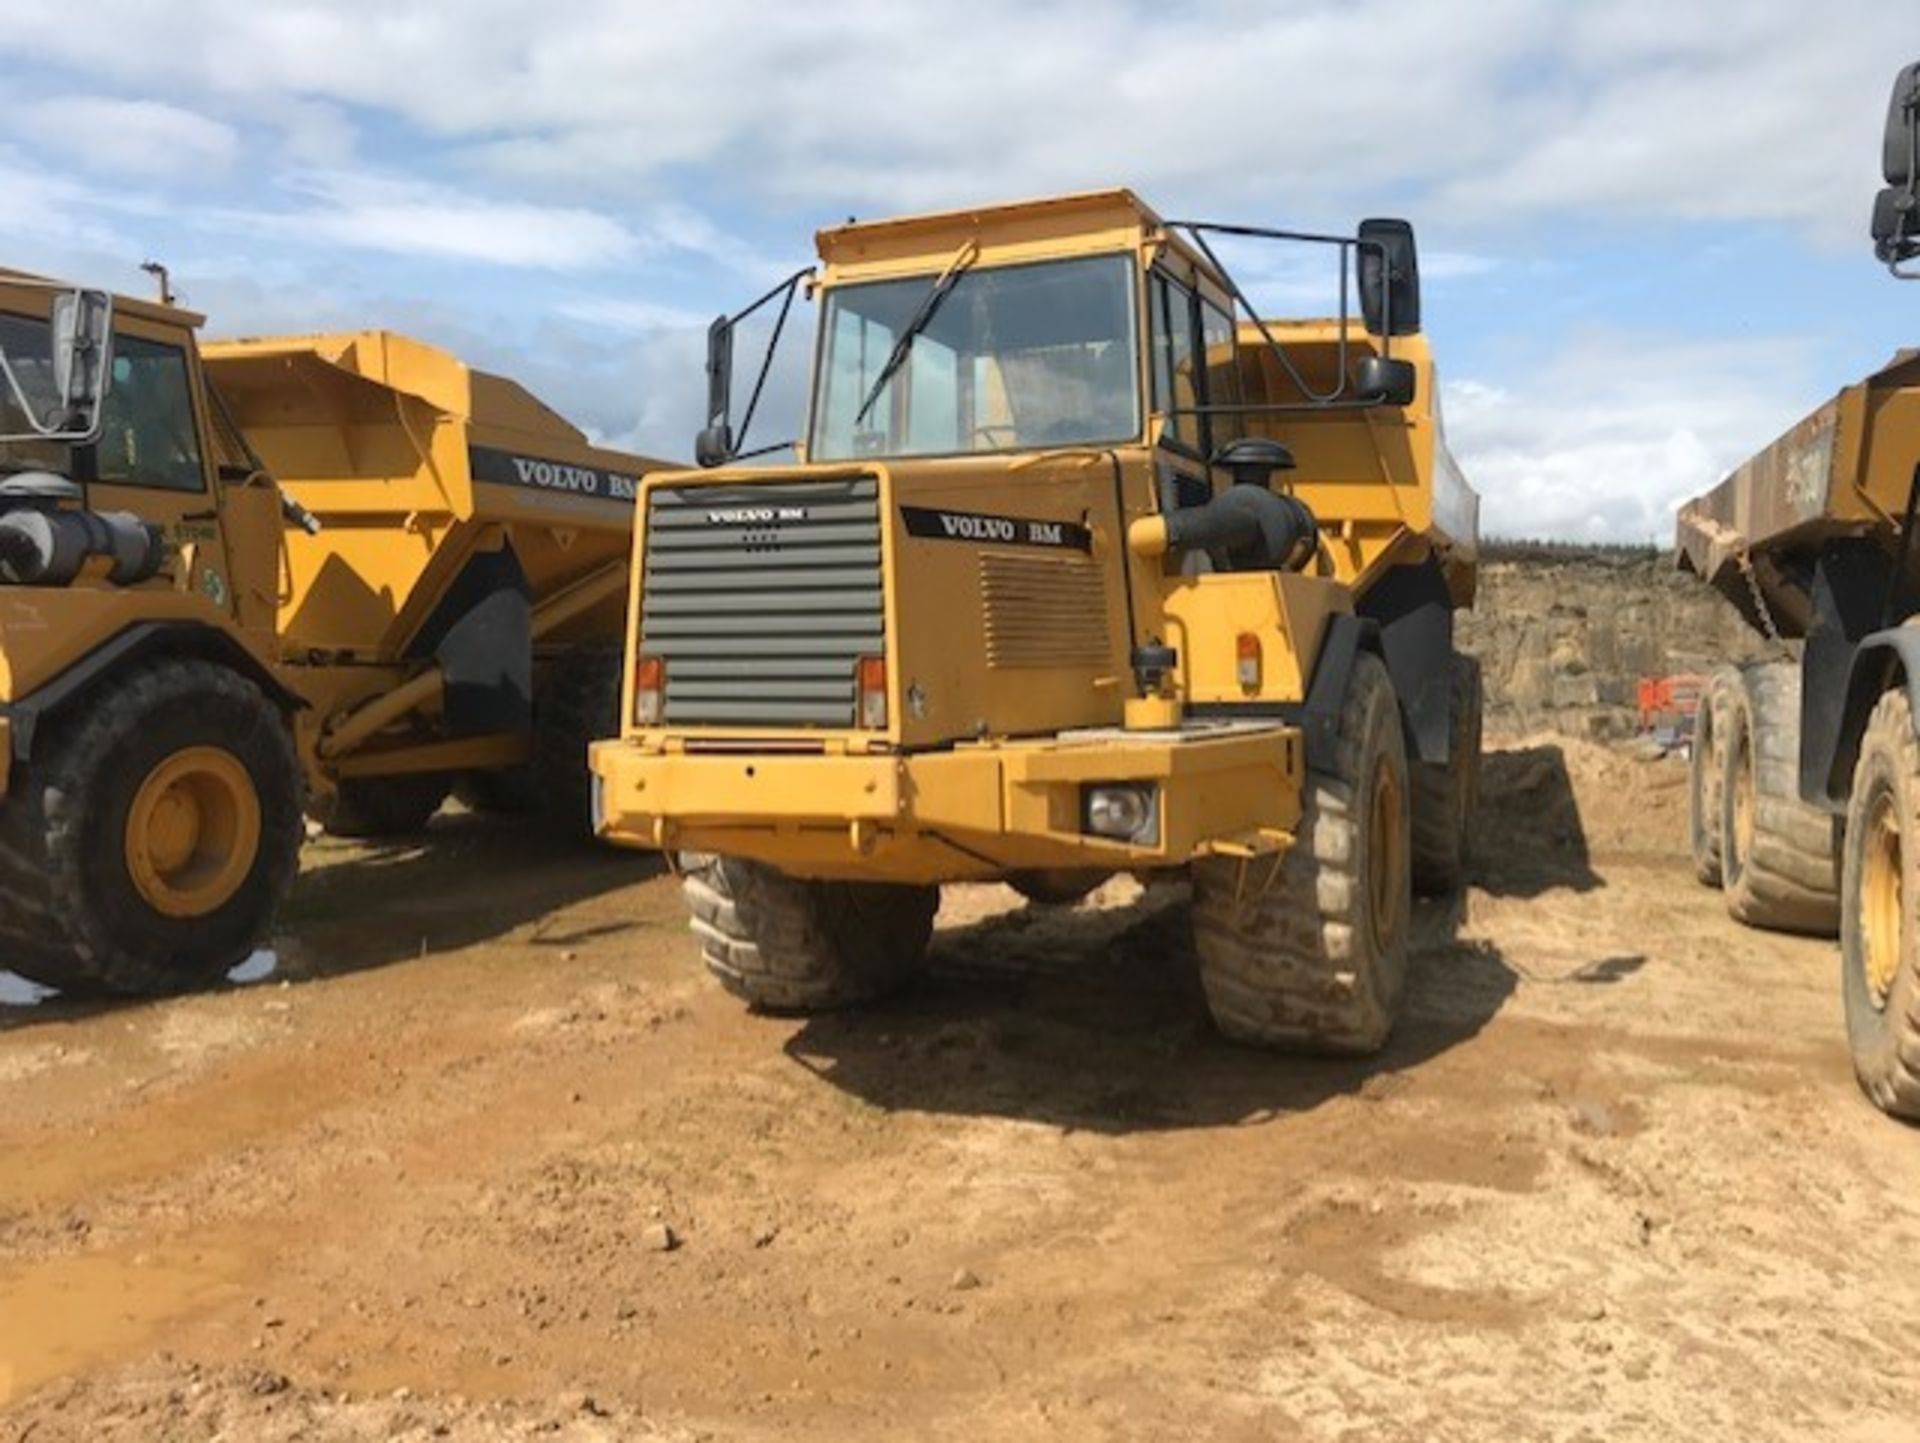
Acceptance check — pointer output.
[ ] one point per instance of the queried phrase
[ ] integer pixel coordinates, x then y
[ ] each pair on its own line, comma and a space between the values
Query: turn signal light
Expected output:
871, 674
1247, 654
649, 691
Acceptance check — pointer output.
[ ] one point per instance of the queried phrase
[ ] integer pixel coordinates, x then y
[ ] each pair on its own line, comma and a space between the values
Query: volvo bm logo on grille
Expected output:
755, 515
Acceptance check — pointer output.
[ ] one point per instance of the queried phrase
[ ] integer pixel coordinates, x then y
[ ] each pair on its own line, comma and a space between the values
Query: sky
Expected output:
1642, 222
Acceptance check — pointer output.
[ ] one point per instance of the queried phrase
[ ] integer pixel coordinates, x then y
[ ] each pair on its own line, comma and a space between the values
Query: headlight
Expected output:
1126, 813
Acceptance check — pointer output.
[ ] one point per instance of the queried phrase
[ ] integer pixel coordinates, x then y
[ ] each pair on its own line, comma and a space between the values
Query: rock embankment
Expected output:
1564, 635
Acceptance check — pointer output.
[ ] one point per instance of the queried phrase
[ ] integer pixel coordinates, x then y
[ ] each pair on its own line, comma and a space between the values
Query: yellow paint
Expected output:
1017, 661
193, 832
372, 432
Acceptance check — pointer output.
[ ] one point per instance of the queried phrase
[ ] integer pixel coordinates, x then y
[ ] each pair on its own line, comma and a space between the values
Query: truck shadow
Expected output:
1093, 1019
1528, 837
357, 906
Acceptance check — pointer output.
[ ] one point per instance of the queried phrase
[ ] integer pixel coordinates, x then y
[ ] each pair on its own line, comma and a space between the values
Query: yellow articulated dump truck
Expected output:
344, 573
1084, 569
1806, 769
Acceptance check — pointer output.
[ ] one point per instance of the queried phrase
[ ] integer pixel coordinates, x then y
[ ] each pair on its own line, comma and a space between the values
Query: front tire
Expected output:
152, 837
1315, 959
786, 944
1880, 918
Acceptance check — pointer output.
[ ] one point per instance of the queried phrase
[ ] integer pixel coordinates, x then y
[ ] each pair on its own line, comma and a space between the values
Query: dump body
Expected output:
984, 541
413, 462
1841, 474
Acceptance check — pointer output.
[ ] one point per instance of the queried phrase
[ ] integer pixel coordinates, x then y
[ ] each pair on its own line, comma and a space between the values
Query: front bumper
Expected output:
975, 811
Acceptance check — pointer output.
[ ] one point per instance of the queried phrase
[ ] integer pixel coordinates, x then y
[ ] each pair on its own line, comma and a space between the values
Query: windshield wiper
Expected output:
941, 288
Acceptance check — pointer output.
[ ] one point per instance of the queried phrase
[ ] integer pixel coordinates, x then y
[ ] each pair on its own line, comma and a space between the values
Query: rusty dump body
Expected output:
1841, 474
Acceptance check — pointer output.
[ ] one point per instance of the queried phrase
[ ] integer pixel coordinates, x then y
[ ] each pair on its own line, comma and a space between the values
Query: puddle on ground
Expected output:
17, 991
62, 1315
257, 968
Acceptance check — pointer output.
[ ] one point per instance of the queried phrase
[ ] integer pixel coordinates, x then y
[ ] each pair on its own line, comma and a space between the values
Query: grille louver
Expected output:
1043, 611
761, 599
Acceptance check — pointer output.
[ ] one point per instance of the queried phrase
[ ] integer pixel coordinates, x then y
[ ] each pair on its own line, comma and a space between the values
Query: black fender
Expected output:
1413, 610
1318, 717
480, 634
137, 643
1879, 659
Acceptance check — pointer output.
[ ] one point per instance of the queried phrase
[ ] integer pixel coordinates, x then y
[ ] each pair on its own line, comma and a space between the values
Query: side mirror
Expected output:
1389, 272
1385, 382
1896, 210
714, 445
60, 393
82, 360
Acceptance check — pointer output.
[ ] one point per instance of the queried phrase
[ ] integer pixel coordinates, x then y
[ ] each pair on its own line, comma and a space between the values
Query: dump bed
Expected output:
414, 462
1843, 471
1344, 454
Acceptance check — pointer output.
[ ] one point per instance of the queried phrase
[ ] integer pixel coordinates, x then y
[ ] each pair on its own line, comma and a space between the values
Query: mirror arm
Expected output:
1196, 230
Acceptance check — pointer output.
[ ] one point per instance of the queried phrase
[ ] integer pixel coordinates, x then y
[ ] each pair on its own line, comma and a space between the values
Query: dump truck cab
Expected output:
1043, 597
150, 796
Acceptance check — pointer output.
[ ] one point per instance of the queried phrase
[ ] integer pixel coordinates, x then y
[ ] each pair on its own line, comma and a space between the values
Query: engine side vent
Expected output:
1043, 611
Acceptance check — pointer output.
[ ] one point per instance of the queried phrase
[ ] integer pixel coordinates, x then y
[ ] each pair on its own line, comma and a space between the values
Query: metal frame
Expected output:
1340, 397
786, 290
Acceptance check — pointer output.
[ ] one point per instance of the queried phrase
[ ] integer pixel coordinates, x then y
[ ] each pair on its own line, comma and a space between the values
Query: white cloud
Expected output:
1603, 441
406, 217
144, 138
1748, 109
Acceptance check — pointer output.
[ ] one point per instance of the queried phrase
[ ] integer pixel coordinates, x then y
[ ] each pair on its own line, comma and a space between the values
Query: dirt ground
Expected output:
1611, 1181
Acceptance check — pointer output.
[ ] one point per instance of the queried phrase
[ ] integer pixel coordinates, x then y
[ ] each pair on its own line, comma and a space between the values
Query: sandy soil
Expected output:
1611, 1181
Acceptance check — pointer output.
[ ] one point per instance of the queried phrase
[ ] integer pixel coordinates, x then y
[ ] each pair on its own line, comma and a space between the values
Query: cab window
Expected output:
1175, 393
1222, 376
148, 436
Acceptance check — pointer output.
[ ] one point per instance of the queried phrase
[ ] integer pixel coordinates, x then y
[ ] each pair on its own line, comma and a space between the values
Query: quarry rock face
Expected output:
1565, 635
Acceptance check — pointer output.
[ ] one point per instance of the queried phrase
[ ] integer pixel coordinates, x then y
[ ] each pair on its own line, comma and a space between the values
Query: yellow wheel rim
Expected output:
193, 832
1882, 899
1384, 848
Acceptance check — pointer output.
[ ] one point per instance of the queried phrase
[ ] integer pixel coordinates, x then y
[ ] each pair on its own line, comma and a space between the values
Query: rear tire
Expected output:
1880, 925
579, 705
1317, 961
1778, 856
148, 843
1444, 794
785, 944
1703, 775
505, 792
374, 808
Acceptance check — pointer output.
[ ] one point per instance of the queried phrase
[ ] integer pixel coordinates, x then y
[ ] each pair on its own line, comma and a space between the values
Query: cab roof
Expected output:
1078, 223
131, 305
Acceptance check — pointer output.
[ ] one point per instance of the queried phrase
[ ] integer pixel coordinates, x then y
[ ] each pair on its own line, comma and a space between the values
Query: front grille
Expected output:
760, 599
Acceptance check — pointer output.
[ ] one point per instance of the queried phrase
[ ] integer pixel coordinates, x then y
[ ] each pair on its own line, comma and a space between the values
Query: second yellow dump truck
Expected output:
343, 573
1806, 769
1084, 569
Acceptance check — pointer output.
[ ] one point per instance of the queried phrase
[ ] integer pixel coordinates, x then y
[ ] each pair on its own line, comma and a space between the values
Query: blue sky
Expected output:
1643, 223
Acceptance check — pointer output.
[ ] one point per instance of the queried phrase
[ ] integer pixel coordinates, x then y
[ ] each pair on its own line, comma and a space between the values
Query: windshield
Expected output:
1014, 357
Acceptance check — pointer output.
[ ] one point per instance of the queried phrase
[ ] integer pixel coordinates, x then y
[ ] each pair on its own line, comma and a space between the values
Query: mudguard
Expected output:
137, 643
1877, 659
